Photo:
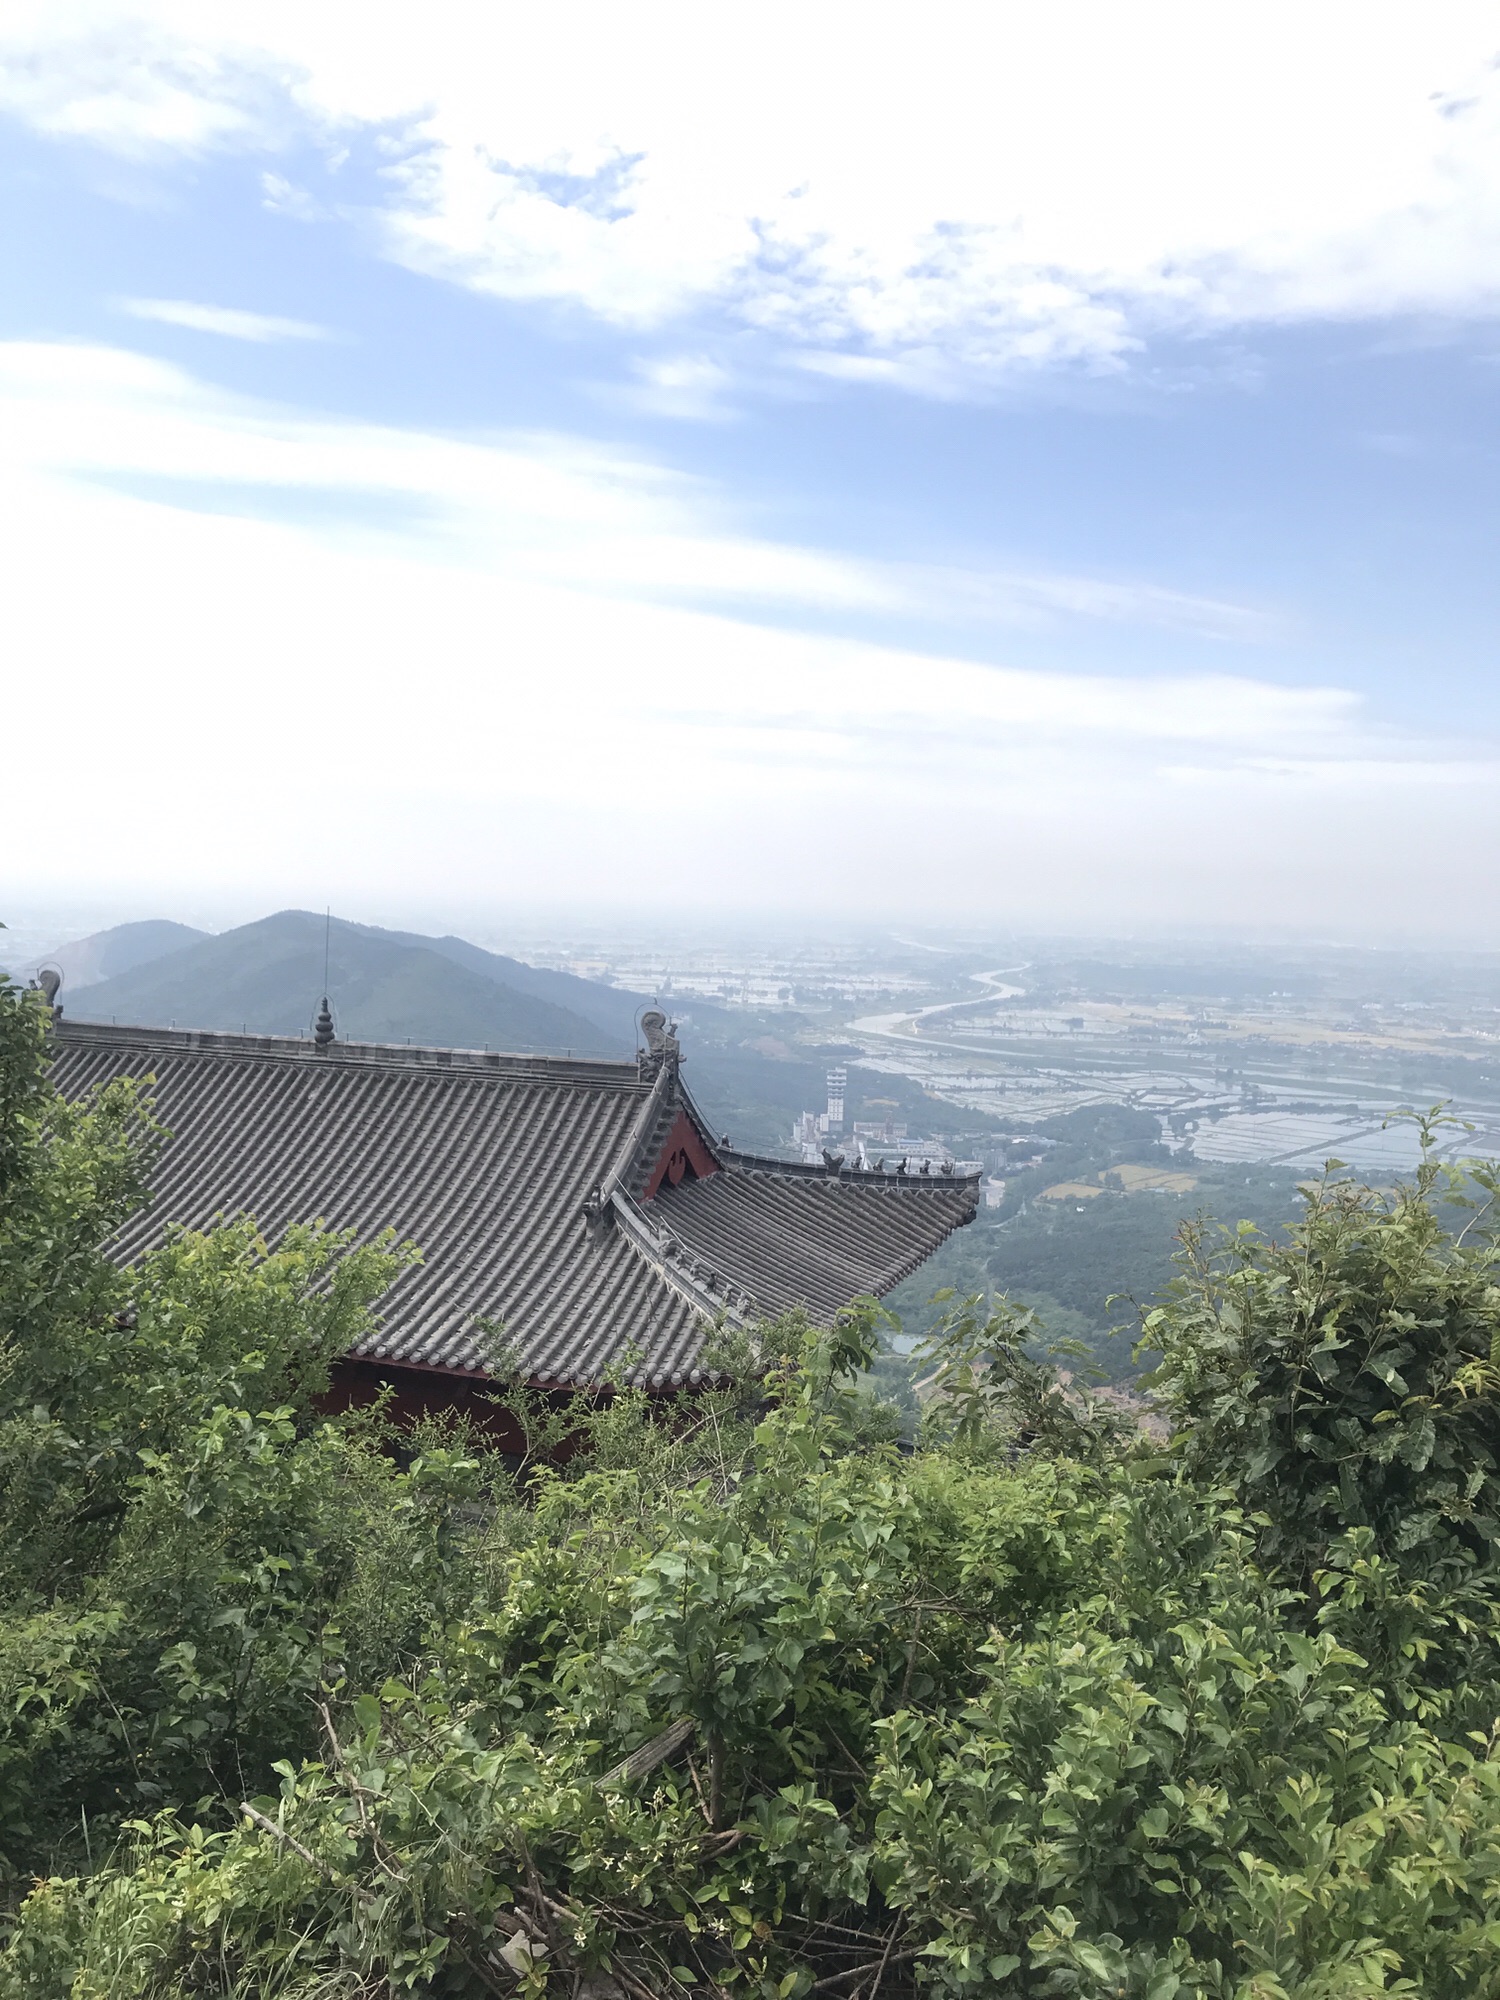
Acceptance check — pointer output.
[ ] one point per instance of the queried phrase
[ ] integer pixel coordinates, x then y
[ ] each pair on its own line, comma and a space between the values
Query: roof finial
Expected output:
323, 1026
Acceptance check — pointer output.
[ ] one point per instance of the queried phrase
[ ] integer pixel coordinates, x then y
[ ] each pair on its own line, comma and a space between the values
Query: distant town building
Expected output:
809, 1134
879, 1132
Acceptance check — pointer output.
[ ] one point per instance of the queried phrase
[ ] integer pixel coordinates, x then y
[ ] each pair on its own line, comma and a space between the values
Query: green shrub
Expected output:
741, 1698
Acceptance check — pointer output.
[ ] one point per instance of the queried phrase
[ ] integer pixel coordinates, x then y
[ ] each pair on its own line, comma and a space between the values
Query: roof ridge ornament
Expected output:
662, 1045
323, 1027
49, 982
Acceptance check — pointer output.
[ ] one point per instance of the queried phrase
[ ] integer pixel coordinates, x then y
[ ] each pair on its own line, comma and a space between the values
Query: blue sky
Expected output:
939, 464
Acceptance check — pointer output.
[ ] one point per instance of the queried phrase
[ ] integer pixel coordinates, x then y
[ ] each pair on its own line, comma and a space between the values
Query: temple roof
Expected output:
584, 1205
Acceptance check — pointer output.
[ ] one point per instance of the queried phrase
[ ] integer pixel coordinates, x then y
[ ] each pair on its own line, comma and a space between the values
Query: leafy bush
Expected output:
1347, 1377
754, 1700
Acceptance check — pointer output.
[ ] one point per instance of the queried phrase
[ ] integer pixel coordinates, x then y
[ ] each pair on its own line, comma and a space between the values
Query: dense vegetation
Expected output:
751, 1702
1087, 1267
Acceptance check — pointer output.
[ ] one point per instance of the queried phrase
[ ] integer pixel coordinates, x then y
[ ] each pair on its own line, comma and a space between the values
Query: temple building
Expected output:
585, 1206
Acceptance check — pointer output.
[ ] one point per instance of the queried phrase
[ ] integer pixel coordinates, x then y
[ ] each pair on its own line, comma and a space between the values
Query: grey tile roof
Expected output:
815, 1242
522, 1178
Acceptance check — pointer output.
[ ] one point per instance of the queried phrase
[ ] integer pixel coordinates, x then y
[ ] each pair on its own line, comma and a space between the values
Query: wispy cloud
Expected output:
1033, 599
284, 197
548, 508
229, 321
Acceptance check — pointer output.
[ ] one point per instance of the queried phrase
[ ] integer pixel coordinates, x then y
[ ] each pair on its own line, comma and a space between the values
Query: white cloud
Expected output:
690, 387
229, 321
917, 195
498, 696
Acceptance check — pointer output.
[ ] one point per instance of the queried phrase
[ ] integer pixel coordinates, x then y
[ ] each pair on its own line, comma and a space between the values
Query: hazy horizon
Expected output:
988, 470
28, 931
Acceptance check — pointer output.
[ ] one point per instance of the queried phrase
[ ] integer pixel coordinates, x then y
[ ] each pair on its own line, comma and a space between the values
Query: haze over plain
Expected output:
958, 463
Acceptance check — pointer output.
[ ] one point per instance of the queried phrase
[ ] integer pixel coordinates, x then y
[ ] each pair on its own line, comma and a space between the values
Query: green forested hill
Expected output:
613, 1009
83, 961
269, 976
129, 947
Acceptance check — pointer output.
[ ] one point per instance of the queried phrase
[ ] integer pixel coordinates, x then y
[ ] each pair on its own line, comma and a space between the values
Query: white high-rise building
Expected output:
838, 1081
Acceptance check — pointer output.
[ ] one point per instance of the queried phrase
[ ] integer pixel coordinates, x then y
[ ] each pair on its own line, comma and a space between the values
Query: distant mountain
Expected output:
385, 986
611, 1008
446, 992
109, 953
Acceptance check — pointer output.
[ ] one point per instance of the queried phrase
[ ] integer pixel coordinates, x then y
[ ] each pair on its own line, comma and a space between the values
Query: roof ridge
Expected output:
681, 1267
382, 1055
675, 1262
664, 1086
